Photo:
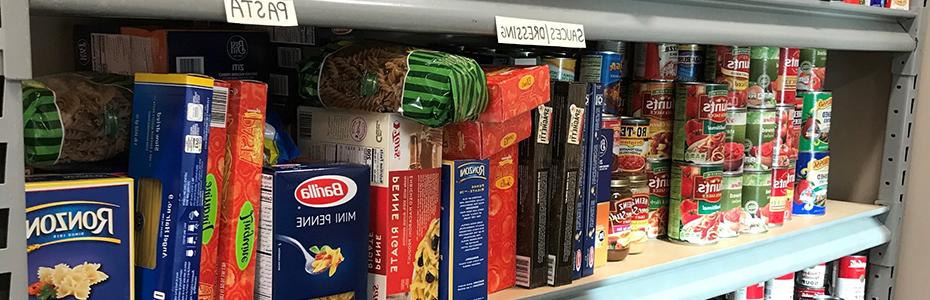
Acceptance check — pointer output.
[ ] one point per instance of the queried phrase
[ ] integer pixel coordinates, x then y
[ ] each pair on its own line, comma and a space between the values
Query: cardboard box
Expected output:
463, 246
214, 184
221, 54
586, 218
502, 219
302, 207
167, 158
477, 139
605, 142
535, 168
80, 227
405, 158
513, 91
103, 49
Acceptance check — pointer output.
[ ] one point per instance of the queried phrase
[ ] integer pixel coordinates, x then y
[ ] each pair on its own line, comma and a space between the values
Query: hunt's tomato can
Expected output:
656, 61
783, 150
731, 204
658, 175
700, 123
779, 199
794, 136
812, 69
757, 189
780, 288
729, 65
813, 277
734, 150
653, 100
789, 208
694, 203
630, 146
850, 273
690, 63
810, 192
816, 112
751, 292
763, 69
786, 84
759, 142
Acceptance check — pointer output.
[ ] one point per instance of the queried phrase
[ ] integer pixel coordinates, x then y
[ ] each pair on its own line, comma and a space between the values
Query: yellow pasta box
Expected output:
213, 191
79, 237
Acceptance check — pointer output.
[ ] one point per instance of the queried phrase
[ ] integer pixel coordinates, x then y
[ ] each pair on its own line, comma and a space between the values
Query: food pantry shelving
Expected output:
797, 23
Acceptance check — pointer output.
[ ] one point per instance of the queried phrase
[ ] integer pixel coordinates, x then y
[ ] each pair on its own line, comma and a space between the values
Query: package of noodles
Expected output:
71, 118
431, 87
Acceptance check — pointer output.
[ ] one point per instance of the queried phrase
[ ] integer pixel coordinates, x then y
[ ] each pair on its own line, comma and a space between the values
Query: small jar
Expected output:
620, 218
639, 189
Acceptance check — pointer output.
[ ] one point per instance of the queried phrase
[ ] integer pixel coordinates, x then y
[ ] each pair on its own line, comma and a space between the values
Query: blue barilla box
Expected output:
463, 235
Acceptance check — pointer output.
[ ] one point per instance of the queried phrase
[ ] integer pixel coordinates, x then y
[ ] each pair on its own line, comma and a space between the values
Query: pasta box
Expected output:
593, 146
405, 159
478, 139
605, 142
218, 53
463, 236
534, 168
168, 160
513, 91
79, 237
213, 187
299, 256
502, 219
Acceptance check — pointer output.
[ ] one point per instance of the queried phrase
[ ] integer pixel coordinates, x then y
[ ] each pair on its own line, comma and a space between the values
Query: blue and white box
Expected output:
463, 246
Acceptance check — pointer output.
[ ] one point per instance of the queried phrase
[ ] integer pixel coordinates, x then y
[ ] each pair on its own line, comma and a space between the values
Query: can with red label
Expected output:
658, 174
734, 149
849, 282
813, 277
630, 146
780, 288
751, 292
789, 209
653, 100
779, 200
729, 65
812, 69
757, 189
794, 136
699, 123
786, 84
694, 203
782, 151
656, 61
805, 293
731, 204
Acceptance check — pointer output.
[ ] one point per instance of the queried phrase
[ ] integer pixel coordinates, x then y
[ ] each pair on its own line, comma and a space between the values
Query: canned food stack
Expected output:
813, 163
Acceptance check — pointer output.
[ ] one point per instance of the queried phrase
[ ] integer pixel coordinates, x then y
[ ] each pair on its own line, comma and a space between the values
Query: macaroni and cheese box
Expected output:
534, 169
477, 139
239, 211
313, 237
463, 246
221, 54
167, 159
213, 191
513, 91
79, 237
405, 158
502, 219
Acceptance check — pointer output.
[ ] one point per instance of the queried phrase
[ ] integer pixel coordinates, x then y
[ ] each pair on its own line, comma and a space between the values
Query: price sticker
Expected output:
261, 12
539, 33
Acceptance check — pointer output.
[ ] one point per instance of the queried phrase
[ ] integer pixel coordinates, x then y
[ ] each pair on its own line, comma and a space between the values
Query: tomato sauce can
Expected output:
763, 69
783, 152
630, 145
734, 149
789, 208
603, 67
816, 113
812, 69
760, 134
729, 65
561, 66
690, 63
809, 293
656, 61
794, 136
653, 100
786, 84
779, 199
849, 281
694, 203
699, 123
751, 292
658, 175
731, 204
810, 192
757, 189
813, 277
780, 288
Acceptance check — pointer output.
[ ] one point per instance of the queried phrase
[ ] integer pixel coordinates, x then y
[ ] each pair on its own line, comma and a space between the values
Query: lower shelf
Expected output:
672, 271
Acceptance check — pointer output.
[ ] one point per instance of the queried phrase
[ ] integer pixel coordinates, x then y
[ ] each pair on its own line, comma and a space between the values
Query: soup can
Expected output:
731, 205
786, 84
690, 63
757, 188
729, 65
763, 69
760, 135
656, 61
780, 288
694, 203
699, 123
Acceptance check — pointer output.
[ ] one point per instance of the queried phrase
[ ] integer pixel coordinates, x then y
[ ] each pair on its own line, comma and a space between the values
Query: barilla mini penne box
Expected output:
168, 160
502, 219
239, 210
79, 237
313, 238
405, 159
213, 191
463, 246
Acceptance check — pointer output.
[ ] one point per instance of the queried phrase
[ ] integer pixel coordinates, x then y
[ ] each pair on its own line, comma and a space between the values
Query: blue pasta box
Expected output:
313, 235
605, 145
167, 160
463, 235
586, 210
79, 237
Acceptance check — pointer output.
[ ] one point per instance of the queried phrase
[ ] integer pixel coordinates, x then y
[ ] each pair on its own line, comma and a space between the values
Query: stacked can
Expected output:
652, 100
605, 65
811, 281
751, 292
813, 164
780, 288
656, 61
848, 279
812, 69
690, 63
729, 65
561, 66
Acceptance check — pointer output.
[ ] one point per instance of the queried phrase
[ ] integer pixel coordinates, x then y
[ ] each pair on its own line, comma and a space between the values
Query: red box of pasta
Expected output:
480, 140
502, 219
213, 186
514, 91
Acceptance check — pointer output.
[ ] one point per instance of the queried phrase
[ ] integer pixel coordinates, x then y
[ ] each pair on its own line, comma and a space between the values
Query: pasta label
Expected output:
210, 200
245, 235
463, 236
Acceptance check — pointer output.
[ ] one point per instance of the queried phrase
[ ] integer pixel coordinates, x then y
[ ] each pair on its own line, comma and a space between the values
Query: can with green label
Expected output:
731, 204
757, 189
815, 121
734, 150
763, 69
759, 143
694, 203
699, 123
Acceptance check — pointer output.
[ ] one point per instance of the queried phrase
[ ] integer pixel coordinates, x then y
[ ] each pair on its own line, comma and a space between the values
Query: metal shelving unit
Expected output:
792, 23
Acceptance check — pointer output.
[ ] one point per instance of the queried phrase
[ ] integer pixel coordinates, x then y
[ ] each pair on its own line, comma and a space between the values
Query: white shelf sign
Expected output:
539, 33
261, 12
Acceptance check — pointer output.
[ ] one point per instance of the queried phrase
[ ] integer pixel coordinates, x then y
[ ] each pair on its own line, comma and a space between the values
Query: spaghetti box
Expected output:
167, 159
463, 246
502, 219
513, 91
477, 139
405, 159
220, 54
313, 236
534, 169
214, 184
591, 158
80, 227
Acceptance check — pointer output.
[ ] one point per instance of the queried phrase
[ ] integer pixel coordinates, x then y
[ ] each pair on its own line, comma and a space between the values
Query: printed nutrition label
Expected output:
265, 264
369, 156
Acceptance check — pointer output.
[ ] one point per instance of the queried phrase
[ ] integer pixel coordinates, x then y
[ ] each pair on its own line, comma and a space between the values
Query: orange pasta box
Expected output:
213, 191
480, 140
239, 210
513, 91
502, 220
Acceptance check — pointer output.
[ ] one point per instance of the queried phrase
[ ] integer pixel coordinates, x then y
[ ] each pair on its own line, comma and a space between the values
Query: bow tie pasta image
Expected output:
63, 281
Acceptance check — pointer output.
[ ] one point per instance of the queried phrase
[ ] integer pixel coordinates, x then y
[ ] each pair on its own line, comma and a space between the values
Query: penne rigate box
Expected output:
168, 160
79, 237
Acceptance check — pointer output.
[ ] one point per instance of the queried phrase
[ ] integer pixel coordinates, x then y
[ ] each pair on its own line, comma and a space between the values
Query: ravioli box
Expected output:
534, 170
502, 219
405, 158
586, 216
213, 187
477, 139
463, 246
168, 160
513, 91
313, 233
79, 237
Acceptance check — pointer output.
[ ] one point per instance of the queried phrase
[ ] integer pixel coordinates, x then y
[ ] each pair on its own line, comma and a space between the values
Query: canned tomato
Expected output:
653, 100
619, 47
780, 288
783, 152
778, 201
814, 276
794, 136
808, 293
751, 292
656, 61
812, 69
786, 84
658, 174
759, 144
757, 188
690, 63
850, 277
789, 191
561, 67
815, 121
734, 150
810, 192
694, 203
731, 203
763, 69
630, 145
700, 123
729, 65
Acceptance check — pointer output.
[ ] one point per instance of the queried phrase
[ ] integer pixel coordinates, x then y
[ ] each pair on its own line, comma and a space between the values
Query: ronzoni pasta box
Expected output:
463, 246
79, 237
213, 191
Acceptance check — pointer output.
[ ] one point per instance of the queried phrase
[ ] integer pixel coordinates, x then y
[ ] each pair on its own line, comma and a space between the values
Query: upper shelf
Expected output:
790, 23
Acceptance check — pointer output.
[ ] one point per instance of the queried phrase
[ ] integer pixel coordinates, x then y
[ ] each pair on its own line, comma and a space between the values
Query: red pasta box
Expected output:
514, 91
502, 220
239, 210
480, 140
213, 187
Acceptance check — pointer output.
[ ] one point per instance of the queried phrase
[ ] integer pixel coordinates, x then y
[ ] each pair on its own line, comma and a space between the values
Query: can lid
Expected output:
522, 53
637, 178
607, 116
611, 45
634, 121
690, 47
619, 182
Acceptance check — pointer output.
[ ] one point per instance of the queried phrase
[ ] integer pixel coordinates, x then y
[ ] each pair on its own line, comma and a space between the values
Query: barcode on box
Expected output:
277, 85
193, 144
550, 269
523, 271
304, 35
304, 123
218, 107
289, 57
188, 64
